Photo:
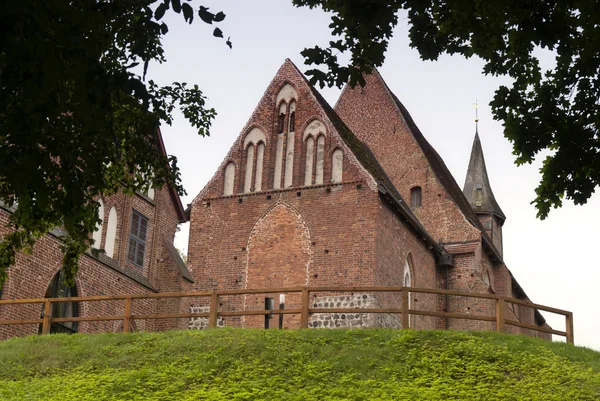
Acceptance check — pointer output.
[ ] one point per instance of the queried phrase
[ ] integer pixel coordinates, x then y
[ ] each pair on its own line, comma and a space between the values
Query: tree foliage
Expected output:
556, 111
78, 118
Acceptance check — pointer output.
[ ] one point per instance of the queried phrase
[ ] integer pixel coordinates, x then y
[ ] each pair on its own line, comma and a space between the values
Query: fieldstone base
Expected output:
351, 320
199, 323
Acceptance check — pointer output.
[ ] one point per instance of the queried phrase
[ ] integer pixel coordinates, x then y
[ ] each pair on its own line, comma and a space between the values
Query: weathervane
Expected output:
476, 117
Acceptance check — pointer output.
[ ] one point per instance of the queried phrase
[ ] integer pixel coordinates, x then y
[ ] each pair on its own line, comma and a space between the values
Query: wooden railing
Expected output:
304, 311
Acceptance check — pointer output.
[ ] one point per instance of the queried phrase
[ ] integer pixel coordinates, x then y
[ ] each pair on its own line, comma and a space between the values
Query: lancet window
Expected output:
289, 152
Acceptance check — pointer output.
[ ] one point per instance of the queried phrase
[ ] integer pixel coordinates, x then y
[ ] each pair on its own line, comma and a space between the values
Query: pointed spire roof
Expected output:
477, 187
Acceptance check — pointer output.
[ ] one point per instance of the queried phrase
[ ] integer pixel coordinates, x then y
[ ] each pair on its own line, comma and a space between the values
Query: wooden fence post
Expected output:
500, 314
305, 307
569, 327
214, 312
405, 316
47, 320
127, 319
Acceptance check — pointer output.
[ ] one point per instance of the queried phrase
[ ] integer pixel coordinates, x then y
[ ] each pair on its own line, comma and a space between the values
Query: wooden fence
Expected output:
304, 311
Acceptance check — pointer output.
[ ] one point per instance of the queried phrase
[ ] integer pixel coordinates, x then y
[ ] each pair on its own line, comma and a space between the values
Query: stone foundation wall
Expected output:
199, 323
352, 320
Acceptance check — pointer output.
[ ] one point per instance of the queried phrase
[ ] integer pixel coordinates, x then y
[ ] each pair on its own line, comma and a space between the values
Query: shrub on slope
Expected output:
234, 364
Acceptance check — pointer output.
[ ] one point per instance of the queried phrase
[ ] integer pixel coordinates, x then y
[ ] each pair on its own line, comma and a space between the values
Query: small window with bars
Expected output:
137, 238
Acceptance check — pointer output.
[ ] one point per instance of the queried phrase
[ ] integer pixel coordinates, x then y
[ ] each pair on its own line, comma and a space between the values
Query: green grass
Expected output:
234, 364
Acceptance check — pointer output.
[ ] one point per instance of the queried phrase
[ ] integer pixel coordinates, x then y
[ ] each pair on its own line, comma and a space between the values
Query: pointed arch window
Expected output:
229, 179
260, 154
111, 233
97, 235
337, 160
292, 123
249, 168
415, 197
281, 118
407, 281
58, 288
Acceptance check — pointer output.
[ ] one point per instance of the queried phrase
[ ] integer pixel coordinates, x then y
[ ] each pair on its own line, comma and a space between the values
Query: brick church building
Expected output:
308, 195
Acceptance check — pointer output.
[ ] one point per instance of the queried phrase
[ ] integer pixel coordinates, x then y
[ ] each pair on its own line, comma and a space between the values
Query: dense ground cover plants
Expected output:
230, 364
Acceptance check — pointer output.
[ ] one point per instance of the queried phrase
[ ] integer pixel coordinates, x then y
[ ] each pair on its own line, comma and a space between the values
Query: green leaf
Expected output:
220, 16
176, 5
188, 12
205, 15
160, 11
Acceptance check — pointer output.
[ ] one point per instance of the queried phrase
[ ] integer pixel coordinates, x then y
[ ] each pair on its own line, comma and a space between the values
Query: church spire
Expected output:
477, 187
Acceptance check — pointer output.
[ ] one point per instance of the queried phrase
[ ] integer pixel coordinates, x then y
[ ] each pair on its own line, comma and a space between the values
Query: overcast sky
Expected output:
553, 260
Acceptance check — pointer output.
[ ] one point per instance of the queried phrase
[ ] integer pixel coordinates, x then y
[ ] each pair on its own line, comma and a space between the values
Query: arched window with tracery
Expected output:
58, 288
97, 235
337, 160
228, 179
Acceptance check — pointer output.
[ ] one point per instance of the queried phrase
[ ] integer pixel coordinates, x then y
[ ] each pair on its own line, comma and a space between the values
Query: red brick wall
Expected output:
396, 243
31, 276
32, 273
317, 238
318, 235
372, 115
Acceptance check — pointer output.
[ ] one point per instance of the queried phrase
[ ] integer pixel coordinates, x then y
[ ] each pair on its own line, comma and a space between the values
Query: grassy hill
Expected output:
230, 364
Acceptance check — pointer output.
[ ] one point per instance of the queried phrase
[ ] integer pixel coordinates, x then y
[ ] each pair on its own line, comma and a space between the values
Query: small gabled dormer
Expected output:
478, 192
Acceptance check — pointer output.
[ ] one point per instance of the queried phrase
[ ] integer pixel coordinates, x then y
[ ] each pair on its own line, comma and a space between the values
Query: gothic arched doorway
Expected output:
58, 288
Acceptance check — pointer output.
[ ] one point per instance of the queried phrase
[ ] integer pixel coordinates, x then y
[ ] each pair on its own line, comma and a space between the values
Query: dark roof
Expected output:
368, 160
183, 217
183, 270
477, 189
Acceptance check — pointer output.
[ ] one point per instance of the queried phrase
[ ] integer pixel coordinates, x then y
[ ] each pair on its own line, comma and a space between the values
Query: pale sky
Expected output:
553, 260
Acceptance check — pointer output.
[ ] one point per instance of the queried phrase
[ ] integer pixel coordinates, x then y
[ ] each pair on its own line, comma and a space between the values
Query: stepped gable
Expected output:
368, 160
477, 180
